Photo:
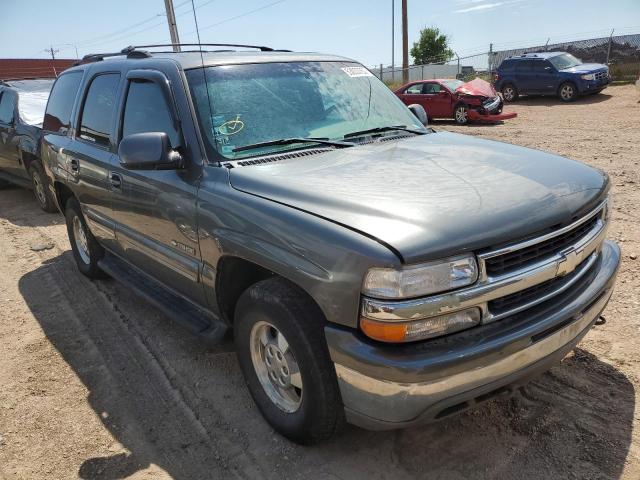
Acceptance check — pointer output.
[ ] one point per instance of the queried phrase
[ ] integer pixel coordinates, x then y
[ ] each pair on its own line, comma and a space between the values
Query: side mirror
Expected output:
443, 92
148, 151
420, 113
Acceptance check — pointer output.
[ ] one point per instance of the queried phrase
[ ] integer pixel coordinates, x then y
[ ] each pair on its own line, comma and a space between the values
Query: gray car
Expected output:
370, 269
22, 104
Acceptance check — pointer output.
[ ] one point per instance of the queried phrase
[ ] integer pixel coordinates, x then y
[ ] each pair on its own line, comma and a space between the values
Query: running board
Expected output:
181, 311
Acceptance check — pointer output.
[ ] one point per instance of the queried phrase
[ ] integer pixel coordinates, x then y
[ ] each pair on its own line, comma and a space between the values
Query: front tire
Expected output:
461, 114
568, 92
40, 190
87, 252
282, 351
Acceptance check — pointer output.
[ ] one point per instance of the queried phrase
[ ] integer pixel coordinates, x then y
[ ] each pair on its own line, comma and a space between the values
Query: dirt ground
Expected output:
96, 384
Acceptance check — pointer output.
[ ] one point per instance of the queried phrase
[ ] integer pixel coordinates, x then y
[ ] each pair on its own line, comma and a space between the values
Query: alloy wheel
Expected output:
38, 188
80, 238
566, 92
461, 115
276, 367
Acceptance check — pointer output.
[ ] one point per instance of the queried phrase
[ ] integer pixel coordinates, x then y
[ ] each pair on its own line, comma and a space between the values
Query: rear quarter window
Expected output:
57, 116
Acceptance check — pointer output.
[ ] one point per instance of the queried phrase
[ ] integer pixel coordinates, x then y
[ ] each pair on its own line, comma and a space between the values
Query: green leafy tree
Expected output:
431, 47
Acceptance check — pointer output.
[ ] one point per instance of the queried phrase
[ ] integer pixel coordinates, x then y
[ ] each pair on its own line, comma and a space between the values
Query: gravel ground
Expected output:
96, 384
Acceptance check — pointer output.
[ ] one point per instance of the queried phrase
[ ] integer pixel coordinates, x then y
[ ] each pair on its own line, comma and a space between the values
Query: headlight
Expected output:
588, 76
396, 332
420, 280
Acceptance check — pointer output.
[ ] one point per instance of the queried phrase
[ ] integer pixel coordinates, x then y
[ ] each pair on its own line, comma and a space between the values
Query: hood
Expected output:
432, 195
586, 68
478, 88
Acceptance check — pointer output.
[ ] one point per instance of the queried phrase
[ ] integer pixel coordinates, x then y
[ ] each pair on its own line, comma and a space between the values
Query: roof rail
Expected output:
130, 52
261, 48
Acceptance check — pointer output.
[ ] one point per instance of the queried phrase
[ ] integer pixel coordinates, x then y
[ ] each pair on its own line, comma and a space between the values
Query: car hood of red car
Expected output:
477, 87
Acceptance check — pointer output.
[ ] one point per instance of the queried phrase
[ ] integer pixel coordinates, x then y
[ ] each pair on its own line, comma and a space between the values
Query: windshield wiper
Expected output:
289, 141
403, 128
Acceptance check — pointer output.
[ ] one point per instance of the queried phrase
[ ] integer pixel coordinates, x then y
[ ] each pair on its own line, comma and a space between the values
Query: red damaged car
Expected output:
474, 101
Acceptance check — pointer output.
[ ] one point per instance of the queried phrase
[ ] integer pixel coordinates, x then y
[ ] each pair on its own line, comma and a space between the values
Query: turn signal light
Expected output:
397, 332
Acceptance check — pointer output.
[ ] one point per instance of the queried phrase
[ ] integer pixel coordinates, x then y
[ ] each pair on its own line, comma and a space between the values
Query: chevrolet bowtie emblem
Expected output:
568, 262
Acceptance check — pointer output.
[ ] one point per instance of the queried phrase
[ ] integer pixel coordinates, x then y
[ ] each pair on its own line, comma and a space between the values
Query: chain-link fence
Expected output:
620, 52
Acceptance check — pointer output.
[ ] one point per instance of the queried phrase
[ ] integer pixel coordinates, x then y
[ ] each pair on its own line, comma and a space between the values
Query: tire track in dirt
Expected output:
136, 393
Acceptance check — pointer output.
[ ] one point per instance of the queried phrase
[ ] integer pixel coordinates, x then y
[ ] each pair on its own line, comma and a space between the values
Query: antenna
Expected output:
204, 74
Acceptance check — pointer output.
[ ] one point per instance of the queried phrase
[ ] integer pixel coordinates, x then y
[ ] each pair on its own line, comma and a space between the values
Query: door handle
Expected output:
116, 181
74, 164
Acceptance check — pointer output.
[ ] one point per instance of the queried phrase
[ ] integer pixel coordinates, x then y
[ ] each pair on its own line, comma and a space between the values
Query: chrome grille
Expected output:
517, 259
601, 75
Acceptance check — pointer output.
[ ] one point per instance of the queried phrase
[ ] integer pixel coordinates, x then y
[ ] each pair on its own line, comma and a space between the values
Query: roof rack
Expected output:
258, 47
130, 52
135, 52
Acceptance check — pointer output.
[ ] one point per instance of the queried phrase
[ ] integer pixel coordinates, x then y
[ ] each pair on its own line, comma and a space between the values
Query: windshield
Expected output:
254, 103
452, 84
566, 60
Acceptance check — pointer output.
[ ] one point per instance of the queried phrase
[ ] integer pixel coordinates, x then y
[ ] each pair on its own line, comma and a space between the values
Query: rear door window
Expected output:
525, 66
146, 110
414, 89
99, 109
57, 116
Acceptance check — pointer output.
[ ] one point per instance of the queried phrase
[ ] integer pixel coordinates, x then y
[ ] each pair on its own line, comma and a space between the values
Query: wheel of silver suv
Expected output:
87, 252
279, 337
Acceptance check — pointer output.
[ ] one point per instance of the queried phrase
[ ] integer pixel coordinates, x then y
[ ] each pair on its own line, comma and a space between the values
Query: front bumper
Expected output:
393, 386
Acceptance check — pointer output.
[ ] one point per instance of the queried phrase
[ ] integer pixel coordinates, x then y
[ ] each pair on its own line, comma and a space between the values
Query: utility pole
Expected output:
393, 41
173, 27
53, 57
405, 44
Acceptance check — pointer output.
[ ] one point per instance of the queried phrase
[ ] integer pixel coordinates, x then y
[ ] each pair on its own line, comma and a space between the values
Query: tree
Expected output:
431, 47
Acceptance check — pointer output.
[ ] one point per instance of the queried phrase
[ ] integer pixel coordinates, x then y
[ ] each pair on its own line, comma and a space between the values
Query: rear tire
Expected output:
567, 92
86, 249
40, 190
283, 354
509, 92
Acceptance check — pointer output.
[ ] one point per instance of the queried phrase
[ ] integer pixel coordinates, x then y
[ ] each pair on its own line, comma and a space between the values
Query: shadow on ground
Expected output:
174, 403
12, 208
549, 101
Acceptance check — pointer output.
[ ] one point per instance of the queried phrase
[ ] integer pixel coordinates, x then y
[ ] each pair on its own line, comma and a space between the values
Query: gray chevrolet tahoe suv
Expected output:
369, 269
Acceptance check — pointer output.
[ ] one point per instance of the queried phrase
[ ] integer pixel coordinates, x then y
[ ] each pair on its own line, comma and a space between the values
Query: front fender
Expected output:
325, 259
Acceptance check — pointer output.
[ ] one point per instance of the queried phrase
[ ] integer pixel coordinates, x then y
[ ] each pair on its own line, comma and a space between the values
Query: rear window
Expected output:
58, 114
99, 109
525, 66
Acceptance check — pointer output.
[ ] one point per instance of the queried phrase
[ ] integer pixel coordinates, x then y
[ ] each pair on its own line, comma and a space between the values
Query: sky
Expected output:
358, 29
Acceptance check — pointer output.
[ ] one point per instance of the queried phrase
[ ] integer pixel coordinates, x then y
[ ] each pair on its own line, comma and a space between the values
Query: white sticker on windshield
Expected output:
357, 72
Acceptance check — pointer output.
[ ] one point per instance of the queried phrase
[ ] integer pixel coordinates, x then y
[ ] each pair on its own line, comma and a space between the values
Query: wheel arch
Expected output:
63, 194
236, 274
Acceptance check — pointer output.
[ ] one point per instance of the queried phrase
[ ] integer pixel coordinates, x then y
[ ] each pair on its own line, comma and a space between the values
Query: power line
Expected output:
238, 16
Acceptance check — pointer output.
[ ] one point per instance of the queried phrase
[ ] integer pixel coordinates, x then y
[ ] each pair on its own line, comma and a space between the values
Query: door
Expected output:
9, 151
545, 77
155, 210
437, 100
88, 158
525, 77
413, 94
